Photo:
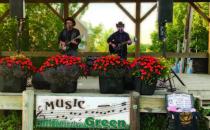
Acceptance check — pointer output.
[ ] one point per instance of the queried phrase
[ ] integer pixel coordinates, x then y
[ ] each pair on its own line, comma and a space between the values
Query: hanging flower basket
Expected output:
14, 72
69, 87
147, 70
111, 85
62, 72
111, 70
144, 88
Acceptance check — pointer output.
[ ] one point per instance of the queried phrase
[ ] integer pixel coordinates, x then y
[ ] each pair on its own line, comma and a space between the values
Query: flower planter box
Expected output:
69, 87
12, 84
143, 88
39, 82
111, 85
129, 83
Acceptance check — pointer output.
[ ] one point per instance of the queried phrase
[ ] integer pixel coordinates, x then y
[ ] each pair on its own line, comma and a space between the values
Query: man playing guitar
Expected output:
118, 41
69, 38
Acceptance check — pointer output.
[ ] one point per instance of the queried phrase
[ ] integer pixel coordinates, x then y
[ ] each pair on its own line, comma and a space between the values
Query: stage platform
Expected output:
197, 84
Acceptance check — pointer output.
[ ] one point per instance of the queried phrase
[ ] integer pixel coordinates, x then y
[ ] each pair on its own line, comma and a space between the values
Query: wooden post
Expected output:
186, 40
54, 11
137, 29
66, 9
134, 112
80, 10
209, 45
28, 110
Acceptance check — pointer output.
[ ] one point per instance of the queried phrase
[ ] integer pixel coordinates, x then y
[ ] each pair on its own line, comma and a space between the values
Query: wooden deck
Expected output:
193, 82
197, 84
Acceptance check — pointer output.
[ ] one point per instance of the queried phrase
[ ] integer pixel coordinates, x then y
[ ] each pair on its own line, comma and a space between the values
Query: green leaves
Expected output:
175, 30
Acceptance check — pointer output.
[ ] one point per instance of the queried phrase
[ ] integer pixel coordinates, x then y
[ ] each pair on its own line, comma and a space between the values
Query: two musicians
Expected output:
117, 41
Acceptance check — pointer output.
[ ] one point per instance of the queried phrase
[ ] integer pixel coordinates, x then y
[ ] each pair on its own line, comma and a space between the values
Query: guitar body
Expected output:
117, 48
68, 45
111, 49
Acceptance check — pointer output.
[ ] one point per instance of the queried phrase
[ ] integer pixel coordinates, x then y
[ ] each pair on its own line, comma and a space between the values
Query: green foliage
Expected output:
175, 31
97, 40
10, 120
202, 113
143, 47
41, 28
153, 121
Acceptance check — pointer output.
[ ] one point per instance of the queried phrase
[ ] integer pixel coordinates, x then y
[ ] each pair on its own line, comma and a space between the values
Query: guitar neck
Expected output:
73, 39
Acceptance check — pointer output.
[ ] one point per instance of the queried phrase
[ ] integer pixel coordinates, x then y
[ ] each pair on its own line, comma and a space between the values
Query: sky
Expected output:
109, 14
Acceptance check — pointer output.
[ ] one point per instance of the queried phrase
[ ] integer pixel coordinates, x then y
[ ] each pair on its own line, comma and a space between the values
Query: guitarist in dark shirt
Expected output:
118, 41
69, 38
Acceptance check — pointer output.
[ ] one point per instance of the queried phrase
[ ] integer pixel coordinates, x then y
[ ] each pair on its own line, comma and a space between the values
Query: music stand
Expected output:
162, 37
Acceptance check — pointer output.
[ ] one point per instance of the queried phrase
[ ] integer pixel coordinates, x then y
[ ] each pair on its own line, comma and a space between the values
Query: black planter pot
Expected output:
111, 85
129, 83
69, 87
39, 82
12, 84
143, 88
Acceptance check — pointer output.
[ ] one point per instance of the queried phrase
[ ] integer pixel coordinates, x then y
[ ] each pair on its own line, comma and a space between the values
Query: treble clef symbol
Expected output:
39, 114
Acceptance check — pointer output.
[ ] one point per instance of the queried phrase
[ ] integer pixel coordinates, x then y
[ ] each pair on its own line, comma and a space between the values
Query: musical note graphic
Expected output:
100, 111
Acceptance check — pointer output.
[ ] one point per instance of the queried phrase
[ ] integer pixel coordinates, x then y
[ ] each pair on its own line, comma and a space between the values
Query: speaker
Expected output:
165, 11
17, 8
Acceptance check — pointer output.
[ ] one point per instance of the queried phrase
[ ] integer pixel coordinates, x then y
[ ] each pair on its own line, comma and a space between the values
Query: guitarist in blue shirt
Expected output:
118, 41
69, 38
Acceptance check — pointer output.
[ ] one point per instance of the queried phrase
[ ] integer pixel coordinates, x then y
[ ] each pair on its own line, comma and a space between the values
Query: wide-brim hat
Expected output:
70, 19
120, 24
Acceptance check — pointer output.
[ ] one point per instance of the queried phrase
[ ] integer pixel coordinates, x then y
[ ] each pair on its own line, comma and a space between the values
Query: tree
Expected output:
41, 31
97, 40
175, 30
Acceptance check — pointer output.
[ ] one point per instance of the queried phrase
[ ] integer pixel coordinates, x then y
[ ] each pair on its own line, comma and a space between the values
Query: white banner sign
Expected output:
83, 112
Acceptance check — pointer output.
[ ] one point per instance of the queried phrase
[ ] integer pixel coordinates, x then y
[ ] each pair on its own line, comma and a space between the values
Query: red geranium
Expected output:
63, 68
147, 68
18, 66
111, 66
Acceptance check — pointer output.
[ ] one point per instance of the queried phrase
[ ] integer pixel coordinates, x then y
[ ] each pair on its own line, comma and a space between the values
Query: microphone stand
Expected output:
19, 33
162, 37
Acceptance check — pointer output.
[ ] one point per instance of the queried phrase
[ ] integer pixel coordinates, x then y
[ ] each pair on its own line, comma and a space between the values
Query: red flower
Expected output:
58, 60
17, 63
147, 68
110, 65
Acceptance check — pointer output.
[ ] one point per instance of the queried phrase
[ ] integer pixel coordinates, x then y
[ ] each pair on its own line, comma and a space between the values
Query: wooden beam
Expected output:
66, 9
98, 1
80, 10
137, 27
148, 13
6, 13
11, 101
54, 11
152, 104
197, 9
126, 12
209, 45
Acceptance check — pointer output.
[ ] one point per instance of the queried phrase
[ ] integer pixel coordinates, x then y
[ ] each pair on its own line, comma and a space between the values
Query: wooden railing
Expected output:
83, 54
